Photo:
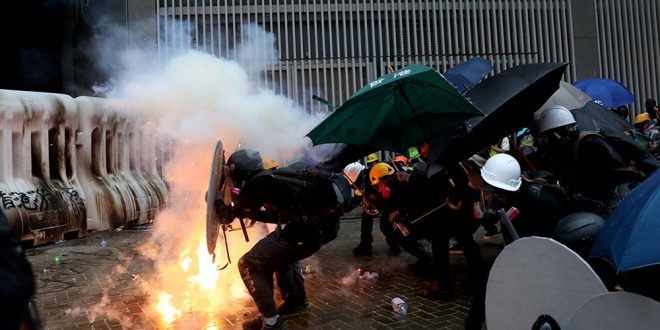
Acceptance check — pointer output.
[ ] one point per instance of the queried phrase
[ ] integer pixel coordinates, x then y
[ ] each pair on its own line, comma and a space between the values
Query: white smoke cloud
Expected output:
194, 100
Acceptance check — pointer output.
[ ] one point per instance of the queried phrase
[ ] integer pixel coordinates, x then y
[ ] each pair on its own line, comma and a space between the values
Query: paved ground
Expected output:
76, 277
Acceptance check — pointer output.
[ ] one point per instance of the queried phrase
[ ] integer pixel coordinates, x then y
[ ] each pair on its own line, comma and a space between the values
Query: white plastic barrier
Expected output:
114, 146
69, 165
38, 187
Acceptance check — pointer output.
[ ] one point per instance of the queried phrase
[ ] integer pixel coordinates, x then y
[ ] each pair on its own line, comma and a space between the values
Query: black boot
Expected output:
362, 249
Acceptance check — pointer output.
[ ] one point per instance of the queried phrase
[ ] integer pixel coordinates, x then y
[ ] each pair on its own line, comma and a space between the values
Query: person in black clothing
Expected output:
449, 193
309, 222
591, 163
17, 284
394, 199
369, 209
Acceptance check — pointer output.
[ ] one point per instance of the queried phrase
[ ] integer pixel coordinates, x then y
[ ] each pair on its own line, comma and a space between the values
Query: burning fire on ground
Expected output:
188, 281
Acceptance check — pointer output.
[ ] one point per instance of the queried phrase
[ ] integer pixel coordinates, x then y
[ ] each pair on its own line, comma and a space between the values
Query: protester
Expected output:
369, 210
501, 147
593, 163
653, 110
395, 196
310, 221
17, 286
645, 133
622, 111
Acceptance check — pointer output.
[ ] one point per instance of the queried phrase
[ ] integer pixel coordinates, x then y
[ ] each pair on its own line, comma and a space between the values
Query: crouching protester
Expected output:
308, 202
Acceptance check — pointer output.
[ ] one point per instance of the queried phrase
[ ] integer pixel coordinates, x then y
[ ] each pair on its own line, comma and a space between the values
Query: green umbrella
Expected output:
396, 111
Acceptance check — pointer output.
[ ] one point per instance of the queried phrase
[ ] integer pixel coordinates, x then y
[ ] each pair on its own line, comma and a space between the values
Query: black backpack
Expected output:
318, 191
641, 161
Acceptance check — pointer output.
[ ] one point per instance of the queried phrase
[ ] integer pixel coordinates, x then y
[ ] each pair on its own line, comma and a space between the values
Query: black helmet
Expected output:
243, 163
579, 230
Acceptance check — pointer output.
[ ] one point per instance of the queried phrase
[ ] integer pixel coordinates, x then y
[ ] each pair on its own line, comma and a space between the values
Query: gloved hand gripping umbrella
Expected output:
396, 111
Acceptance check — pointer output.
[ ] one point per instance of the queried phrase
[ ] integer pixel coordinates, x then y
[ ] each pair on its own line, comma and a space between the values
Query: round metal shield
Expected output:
534, 276
213, 192
617, 310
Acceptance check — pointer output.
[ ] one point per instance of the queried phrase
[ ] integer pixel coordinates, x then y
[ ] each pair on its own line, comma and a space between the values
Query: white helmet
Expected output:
352, 171
555, 116
502, 171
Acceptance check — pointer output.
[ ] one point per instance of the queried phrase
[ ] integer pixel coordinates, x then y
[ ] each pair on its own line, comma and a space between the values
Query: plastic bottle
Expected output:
399, 306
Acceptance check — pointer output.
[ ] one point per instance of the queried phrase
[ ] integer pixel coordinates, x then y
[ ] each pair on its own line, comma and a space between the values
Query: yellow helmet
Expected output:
378, 171
271, 164
373, 157
642, 117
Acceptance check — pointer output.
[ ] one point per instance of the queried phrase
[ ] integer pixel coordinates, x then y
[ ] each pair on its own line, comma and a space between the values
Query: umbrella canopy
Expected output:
589, 115
568, 96
629, 238
467, 74
608, 92
508, 100
396, 111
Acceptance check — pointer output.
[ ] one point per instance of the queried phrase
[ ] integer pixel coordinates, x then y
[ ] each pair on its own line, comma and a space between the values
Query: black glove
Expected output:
225, 214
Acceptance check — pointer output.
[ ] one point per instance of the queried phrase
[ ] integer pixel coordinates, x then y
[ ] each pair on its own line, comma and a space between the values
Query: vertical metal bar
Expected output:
316, 54
426, 43
411, 20
570, 52
204, 24
445, 37
278, 24
461, 14
454, 33
527, 33
437, 30
212, 28
159, 28
515, 19
489, 35
300, 54
344, 62
402, 41
388, 51
373, 51
615, 51
603, 14
363, 54
500, 50
189, 34
336, 51
652, 49
324, 55
351, 39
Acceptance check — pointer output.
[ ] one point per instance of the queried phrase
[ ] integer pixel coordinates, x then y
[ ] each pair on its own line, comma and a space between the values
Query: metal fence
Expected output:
333, 49
629, 44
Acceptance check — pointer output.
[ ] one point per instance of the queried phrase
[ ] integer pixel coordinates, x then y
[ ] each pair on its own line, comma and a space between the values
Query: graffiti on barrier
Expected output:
74, 197
34, 200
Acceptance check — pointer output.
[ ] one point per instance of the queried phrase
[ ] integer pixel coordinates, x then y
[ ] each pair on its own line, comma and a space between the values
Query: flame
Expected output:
168, 312
207, 275
187, 283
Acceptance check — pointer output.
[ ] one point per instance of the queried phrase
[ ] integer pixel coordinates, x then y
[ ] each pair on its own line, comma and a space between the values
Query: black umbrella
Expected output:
508, 100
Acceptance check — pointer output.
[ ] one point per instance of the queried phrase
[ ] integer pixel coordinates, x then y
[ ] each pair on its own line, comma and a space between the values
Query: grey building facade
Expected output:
332, 48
